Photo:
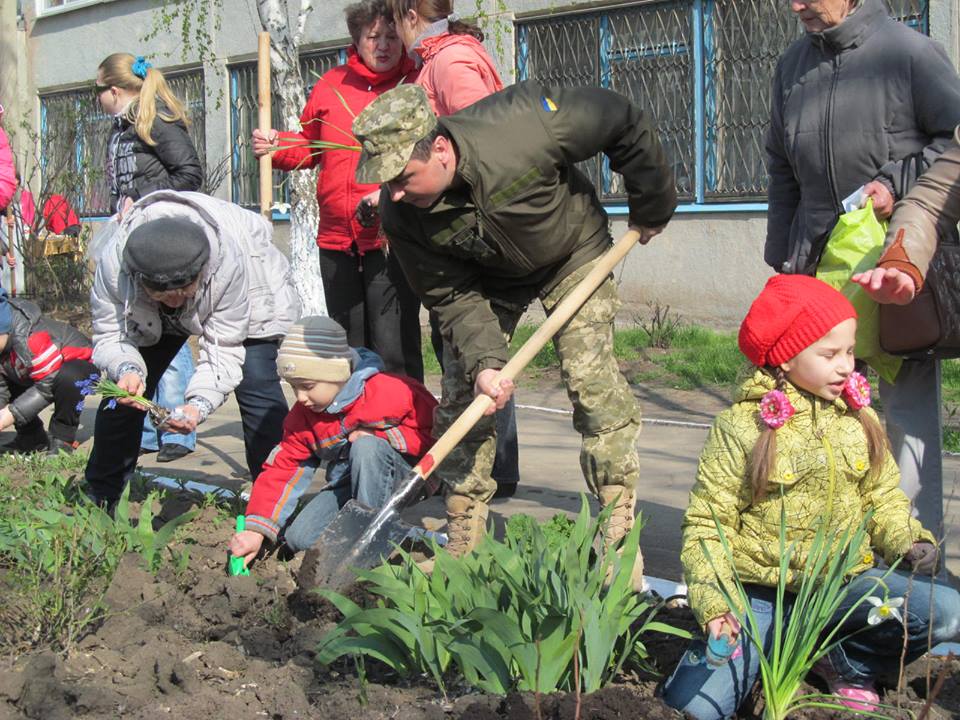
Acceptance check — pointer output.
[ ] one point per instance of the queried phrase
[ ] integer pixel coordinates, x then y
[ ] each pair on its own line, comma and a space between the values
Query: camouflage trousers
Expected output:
605, 411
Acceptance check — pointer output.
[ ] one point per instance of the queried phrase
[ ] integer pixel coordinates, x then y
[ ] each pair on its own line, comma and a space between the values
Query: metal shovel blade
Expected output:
345, 546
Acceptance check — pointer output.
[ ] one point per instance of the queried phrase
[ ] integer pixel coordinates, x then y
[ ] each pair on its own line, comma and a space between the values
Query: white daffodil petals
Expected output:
884, 610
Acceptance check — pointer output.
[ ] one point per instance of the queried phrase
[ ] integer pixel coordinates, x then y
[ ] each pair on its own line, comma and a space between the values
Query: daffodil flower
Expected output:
883, 609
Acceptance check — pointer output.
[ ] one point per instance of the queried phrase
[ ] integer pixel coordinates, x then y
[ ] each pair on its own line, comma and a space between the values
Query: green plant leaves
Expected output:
803, 635
61, 552
517, 614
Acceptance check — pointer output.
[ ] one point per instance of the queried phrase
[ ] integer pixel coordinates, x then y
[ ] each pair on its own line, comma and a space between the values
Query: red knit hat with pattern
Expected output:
791, 313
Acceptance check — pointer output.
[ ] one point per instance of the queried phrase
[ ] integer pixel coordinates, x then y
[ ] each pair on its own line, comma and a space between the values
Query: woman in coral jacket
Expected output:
364, 287
455, 69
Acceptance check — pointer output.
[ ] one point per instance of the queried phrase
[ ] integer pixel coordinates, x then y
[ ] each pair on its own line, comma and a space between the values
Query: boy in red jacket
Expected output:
369, 426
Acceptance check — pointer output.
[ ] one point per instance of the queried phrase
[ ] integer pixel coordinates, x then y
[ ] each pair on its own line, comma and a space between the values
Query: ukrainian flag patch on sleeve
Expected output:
548, 104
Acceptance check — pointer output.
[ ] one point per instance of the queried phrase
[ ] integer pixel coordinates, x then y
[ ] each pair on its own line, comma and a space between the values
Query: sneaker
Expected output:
171, 451
852, 694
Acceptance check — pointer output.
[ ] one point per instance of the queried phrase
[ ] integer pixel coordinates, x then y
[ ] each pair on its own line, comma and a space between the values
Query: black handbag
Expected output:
929, 326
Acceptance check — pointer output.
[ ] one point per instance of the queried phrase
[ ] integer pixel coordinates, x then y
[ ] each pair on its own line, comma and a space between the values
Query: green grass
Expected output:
700, 357
697, 356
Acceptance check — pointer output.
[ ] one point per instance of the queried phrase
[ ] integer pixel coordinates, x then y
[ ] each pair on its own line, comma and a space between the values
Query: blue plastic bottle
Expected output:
720, 648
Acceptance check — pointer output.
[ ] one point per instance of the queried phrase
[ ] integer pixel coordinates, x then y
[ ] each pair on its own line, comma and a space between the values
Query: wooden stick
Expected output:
11, 239
264, 120
565, 310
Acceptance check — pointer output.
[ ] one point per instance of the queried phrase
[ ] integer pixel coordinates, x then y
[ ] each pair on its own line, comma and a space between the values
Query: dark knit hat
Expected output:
166, 254
6, 314
315, 348
791, 313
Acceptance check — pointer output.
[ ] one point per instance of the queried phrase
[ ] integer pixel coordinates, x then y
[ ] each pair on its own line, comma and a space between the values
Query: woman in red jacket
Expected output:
364, 287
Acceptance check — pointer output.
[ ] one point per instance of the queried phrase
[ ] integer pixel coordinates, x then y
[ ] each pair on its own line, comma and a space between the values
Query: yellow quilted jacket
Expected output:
822, 470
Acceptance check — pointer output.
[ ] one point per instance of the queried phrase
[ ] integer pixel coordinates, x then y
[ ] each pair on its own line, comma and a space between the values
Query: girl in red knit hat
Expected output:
801, 442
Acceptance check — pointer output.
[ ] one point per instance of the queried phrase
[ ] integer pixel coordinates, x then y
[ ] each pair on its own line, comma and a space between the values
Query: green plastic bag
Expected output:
854, 246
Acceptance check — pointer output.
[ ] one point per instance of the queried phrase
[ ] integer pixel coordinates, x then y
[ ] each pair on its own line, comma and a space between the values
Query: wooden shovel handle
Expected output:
557, 319
11, 247
264, 120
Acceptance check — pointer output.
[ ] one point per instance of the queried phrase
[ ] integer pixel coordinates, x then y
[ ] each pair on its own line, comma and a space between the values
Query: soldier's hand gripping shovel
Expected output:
360, 537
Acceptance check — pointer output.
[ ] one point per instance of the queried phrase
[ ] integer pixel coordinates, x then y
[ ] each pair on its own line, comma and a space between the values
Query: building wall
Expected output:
706, 266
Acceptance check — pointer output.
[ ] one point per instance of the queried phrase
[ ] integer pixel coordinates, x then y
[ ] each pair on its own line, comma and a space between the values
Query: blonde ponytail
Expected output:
763, 457
117, 71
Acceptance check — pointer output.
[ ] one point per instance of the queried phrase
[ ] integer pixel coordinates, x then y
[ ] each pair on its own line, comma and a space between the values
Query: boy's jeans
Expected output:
369, 474
709, 693
169, 393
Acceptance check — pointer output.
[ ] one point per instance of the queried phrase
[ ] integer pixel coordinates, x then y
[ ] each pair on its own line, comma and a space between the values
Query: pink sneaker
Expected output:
855, 695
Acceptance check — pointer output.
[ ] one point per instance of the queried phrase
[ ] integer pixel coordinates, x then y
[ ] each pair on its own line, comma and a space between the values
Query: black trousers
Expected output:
116, 435
369, 296
66, 396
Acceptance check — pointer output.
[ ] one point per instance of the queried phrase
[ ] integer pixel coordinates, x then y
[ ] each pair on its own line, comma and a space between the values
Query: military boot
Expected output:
624, 502
466, 526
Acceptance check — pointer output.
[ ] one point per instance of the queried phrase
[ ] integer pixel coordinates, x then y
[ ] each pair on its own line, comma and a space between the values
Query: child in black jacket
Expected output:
41, 362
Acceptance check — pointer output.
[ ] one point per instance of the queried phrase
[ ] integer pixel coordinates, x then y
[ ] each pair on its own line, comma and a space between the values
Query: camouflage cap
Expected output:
387, 130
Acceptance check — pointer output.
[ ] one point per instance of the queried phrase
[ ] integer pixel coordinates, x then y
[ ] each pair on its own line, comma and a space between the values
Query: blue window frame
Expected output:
702, 67
74, 133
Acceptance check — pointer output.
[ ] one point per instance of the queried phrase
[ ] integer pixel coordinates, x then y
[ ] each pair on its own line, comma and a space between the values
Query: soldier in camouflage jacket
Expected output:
493, 214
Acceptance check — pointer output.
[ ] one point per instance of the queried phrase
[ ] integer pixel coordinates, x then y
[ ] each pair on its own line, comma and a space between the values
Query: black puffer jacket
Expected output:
36, 350
868, 99
135, 169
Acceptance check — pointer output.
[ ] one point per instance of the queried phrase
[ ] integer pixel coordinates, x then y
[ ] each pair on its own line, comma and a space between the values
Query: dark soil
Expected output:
204, 645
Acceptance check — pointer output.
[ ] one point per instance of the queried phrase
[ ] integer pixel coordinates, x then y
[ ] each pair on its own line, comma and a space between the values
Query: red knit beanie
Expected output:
791, 313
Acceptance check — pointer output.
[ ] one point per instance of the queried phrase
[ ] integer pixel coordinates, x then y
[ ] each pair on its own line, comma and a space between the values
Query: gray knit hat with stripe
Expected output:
315, 348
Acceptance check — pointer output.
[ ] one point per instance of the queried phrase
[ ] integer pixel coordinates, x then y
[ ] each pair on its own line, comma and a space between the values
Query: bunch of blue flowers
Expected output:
105, 387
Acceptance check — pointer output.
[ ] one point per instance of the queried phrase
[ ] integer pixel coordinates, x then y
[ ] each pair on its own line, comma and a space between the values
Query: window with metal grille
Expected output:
74, 132
243, 119
703, 69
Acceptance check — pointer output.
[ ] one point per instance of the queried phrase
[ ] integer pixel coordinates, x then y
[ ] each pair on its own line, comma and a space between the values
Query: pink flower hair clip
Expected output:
775, 409
856, 391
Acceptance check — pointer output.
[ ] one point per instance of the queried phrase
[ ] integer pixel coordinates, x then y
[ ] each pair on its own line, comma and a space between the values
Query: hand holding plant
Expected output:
128, 391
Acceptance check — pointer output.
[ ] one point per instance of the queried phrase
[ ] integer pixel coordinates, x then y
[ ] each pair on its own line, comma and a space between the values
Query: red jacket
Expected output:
396, 408
326, 118
58, 216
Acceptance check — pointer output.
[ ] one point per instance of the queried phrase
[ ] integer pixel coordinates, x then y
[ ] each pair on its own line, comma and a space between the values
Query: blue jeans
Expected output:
169, 393
709, 693
369, 474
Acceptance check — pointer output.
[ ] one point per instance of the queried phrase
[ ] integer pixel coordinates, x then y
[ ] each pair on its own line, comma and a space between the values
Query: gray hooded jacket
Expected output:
245, 292
868, 99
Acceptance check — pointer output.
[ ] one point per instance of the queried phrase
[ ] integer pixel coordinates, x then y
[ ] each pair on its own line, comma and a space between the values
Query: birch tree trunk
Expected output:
288, 91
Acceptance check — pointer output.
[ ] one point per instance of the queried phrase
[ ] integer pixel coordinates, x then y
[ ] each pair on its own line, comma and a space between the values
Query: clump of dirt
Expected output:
200, 644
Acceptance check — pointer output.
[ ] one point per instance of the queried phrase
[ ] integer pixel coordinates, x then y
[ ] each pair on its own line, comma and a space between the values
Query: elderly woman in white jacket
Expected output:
183, 264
